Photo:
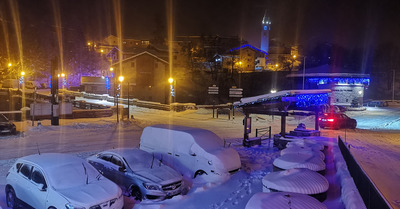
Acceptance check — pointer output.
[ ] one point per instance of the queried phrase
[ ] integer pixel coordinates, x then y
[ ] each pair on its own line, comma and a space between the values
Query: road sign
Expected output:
235, 92
213, 90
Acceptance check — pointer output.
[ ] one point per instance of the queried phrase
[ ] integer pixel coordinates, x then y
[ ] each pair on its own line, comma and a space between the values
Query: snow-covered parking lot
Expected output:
375, 144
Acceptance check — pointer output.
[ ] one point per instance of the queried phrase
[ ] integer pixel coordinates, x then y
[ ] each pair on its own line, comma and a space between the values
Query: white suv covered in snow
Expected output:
50, 181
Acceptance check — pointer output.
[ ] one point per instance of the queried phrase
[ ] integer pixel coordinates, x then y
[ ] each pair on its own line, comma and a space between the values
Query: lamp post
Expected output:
21, 79
304, 69
171, 82
120, 78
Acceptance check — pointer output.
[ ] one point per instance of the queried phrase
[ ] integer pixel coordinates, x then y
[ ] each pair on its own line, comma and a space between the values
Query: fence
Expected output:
263, 132
369, 193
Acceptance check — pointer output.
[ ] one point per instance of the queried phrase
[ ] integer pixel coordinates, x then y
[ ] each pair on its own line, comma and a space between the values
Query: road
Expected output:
375, 143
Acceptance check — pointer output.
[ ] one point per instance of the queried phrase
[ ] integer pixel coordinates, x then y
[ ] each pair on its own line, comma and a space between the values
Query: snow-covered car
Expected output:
52, 180
138, 173
6, 126
192, 151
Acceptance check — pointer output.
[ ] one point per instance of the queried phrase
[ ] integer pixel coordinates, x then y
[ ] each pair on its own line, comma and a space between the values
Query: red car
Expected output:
336, 121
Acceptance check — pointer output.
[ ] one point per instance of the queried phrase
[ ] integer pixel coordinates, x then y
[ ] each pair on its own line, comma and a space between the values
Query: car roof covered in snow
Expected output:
51, 160
204, 138
125, 151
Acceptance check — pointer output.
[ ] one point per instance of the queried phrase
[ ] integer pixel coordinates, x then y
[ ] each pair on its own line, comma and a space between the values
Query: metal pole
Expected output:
394, 73
304, 69
34, 104
128, 102
117, 109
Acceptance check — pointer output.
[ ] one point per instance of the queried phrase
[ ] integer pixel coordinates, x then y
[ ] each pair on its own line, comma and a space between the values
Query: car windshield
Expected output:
140, 160
3, 119
73, 174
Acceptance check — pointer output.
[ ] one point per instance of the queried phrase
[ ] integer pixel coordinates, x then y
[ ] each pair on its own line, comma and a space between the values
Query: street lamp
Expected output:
120, 78
21, 79
9, 64
172, 83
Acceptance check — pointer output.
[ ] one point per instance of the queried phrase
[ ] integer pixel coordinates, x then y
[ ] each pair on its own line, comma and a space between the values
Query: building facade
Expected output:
146, 75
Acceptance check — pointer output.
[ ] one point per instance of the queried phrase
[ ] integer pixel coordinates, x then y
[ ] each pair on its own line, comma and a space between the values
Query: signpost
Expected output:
213, 90
235, 93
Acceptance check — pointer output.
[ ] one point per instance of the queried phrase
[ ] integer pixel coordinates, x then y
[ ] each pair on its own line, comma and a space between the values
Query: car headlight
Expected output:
71, 206
151, 186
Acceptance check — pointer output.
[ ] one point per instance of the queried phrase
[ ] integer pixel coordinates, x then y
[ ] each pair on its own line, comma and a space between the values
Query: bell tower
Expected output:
266, 27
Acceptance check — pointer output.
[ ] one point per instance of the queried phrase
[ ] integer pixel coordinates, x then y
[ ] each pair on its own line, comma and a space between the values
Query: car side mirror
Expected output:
122, 169
41, 187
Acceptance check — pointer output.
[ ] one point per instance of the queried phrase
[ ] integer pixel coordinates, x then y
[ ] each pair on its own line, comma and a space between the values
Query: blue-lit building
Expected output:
347, 88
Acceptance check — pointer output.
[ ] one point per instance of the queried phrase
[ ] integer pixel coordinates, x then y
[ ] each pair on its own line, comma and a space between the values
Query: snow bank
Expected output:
350, 195
283, 200
298, 180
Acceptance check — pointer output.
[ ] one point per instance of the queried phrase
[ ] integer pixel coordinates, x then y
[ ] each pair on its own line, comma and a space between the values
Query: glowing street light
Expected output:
121, 78
89, 44
101, 50
170, 80
22, 73
9, 64
111, 69
62, 75
294, 56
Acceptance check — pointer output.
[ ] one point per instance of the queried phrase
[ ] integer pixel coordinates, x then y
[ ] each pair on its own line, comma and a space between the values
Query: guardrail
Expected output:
370, 194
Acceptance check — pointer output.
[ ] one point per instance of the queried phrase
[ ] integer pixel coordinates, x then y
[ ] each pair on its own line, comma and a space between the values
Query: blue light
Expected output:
310, 100
265, 27
326, 80
250, 46
50, 82
108, 84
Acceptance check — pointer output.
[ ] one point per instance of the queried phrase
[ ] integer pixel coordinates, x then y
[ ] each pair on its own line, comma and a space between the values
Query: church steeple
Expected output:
266, 27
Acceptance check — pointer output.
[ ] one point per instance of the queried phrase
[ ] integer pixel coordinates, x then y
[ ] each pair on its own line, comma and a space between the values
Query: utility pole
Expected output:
304, 69
394, 74
54, 92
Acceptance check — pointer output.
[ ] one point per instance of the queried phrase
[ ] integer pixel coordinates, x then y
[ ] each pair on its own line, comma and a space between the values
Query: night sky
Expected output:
350, 23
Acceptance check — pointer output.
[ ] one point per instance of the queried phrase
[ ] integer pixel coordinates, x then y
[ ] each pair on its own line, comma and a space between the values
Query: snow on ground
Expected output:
376, 148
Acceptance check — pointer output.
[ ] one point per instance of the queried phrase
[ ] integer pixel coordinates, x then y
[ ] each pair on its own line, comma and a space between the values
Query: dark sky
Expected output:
350, 23
353, 23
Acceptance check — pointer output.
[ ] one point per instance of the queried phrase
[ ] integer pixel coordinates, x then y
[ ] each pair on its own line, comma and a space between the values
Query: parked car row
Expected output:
54, 180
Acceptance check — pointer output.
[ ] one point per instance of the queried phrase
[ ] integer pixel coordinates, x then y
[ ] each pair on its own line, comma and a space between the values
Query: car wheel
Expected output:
353, 125
52, 207
11, 198
136, 193
199, 173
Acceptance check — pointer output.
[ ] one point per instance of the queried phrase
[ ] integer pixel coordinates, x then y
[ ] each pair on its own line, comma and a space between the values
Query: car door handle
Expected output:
169, 153
177, 155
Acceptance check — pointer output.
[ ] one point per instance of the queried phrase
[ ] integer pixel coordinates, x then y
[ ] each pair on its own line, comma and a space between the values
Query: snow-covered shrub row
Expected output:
350, 196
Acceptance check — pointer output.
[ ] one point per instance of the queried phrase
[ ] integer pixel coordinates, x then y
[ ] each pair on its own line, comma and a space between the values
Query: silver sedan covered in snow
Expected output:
138, 173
